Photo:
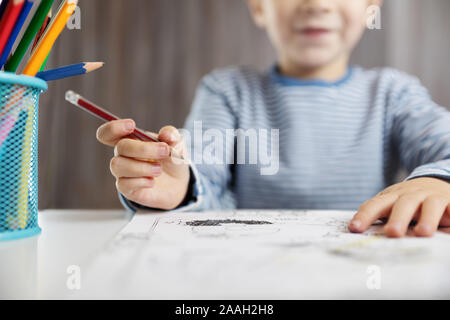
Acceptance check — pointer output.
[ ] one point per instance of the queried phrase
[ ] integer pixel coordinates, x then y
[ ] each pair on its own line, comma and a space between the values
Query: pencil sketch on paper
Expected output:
207, 254
318, 230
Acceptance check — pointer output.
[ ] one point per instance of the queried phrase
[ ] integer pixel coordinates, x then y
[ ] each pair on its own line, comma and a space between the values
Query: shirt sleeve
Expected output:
210, 153
421, 132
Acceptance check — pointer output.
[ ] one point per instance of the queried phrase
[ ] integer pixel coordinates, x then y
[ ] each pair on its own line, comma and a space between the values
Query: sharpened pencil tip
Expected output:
92, 66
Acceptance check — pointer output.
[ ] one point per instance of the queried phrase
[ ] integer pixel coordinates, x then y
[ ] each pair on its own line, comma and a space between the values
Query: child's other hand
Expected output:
145, 172
423, 200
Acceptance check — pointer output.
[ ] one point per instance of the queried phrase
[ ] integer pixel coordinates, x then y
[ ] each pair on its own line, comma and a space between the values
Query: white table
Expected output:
37, 268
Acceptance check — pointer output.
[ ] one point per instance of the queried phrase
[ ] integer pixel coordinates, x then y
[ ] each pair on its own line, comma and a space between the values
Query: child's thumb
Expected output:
170, 135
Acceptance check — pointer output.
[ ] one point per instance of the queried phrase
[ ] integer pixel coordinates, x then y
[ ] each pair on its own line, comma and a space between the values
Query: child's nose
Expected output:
315, 7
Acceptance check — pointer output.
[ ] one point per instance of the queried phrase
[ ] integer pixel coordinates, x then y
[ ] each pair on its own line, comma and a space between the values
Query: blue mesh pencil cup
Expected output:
19, 115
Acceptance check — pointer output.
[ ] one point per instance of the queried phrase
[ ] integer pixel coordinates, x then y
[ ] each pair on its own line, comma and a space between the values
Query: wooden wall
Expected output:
155, 51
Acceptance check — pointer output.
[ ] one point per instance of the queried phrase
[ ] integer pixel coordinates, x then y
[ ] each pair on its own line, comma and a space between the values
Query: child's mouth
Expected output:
314, 32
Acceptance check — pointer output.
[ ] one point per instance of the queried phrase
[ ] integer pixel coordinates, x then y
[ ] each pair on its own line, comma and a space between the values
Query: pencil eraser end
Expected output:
72, 97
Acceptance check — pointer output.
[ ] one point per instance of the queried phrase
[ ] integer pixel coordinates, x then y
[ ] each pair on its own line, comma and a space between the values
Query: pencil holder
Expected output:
19, 114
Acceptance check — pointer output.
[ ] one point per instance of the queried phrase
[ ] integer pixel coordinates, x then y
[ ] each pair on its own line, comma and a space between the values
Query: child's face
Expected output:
312, 33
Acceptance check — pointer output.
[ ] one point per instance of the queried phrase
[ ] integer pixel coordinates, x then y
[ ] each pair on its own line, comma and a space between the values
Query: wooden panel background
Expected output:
155, 51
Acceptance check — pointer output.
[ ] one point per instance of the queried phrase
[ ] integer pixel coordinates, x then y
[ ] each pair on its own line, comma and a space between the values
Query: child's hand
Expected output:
425, 200
145, 172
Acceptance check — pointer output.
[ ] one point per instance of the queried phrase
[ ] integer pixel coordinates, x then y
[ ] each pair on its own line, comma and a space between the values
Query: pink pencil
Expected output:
6, 127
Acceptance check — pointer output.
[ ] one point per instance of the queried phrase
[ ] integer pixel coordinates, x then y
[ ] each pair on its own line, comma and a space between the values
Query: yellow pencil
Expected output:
48, 39
26, 170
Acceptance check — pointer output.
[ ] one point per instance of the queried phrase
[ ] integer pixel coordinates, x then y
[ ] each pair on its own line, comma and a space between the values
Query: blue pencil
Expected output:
15, 33
3, 8
69, 71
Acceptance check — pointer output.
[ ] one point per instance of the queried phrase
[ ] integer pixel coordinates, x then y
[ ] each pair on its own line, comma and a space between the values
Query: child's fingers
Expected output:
433, 209
142, 150
110, 133
445, 221
371, 211
151, 197
170, 135
127, 186
122, 167
173, 138
402, 214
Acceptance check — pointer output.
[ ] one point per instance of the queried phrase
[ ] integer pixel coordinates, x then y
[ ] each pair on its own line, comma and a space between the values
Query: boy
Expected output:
343, 132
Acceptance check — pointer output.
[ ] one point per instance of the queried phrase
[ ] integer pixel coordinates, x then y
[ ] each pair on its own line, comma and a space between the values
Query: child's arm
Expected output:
421, 134
212, 114
209, 185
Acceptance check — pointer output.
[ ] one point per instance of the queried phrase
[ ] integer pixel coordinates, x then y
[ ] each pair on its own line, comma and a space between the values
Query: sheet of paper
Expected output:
266, 254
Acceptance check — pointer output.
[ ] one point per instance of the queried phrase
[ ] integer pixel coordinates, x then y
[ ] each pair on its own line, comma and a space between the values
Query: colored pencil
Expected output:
69, 71
36, 22
39, 36
102, 114
12, 163
42, 69
3, 7
26, 169
50, 23
17, 102
47, 41
11, 111
42, 30
15, 33
15, 110
6, 126
9, 20
17, 92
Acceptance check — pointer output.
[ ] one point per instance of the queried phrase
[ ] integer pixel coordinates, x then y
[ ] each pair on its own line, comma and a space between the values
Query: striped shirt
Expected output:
339, 143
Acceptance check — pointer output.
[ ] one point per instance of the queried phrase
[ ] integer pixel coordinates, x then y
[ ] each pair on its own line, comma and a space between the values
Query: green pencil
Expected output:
30, 33
44, 64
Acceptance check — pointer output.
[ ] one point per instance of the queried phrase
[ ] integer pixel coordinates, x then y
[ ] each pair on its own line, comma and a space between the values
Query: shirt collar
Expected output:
290, 81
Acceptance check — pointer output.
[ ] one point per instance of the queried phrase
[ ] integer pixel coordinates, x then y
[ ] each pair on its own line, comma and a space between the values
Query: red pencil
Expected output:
104, 115
42, 30
96, 111
9, 19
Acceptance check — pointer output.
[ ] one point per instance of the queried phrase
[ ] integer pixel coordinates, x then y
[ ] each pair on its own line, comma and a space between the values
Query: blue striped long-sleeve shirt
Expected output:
309, 144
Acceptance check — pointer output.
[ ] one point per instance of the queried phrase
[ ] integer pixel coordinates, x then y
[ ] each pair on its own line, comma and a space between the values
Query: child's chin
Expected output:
314, 58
